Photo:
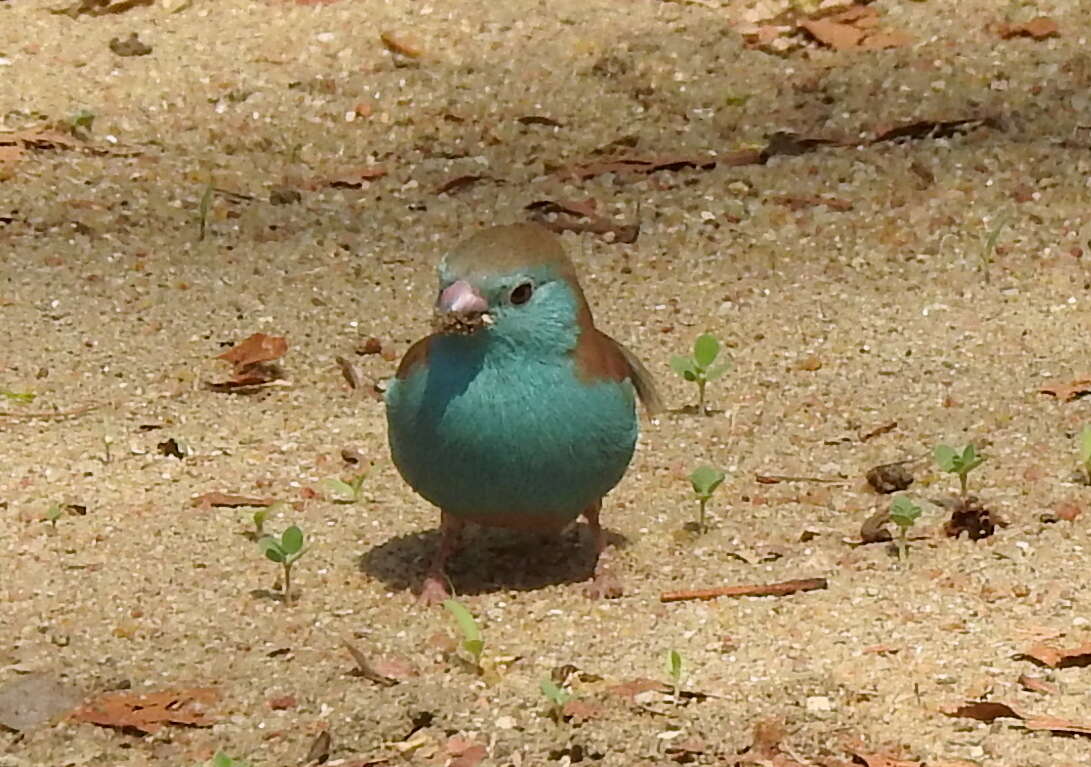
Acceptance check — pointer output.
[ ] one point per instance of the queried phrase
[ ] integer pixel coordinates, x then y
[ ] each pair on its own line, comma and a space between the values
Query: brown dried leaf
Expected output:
879, 759
466, 753
799, 202
577, 708
840, 37
1060, 658
633, 688
1038, 28
1033, 684
1068, 511
401, 45
225, 500
395, 667
149, 712
1066, 392
258, 347
873, 529
100, 7
458, 183
356, 177
638, 165
922, 129
282, 702
981, 710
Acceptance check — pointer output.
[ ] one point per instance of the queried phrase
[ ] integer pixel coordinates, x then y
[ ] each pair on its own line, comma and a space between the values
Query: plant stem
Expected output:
701, 519
903, 550
701, 397
287, 583
962, 478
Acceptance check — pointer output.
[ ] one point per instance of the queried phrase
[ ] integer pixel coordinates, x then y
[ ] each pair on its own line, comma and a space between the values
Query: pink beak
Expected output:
460, 298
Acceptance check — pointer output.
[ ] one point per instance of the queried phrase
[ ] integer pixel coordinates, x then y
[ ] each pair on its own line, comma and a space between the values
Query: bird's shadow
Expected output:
489, 559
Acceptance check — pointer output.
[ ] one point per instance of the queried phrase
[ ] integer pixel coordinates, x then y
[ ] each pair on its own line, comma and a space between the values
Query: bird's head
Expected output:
513, 283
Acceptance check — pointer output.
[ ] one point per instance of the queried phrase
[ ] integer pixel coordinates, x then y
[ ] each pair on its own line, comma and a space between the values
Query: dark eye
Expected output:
522, 293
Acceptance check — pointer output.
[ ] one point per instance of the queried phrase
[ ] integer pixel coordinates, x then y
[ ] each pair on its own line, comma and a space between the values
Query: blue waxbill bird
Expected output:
517, 412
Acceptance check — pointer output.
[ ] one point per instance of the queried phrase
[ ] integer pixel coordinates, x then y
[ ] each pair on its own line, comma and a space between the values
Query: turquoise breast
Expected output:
483, 432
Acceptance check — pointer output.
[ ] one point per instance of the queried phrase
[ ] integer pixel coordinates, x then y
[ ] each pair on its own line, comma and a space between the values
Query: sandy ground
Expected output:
840, 318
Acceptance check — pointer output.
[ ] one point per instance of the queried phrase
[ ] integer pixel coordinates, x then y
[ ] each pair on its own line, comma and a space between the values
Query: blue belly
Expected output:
506, 437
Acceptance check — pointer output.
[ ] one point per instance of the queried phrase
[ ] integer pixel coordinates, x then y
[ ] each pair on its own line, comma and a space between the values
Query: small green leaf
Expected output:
22, 398
466, 623
946, 457
903, 512
338, 491
674, 664
474, 647
705, 480
557, 695
715, 372
684, 366
292, 540
705, 350
259, 519
270, 546
1085, 445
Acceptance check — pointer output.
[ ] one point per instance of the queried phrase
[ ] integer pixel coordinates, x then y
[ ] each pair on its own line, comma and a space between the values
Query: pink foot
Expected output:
433, 591
603, 585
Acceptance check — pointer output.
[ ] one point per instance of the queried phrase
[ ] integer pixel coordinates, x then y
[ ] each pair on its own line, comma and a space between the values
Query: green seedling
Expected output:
340, 491
953, 462
705, 480
52, 514
471, 634
674, 669
700, 368
1085, 452
286, 552
18, 397
557, 696
203, 210
223, 760
259, 522
79, 124
903, 513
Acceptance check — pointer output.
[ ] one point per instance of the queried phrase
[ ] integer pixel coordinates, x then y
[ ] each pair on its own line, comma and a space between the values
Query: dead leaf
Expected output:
623, 166
458, 183
282, 702
595, 224
1038, 28
970, 517
578, 708
1066, 392
353, 178
873, 529
466, 753
1053, 657
633, 688
149, 712
1068, 511
931, 129
840, 37
349, 371
981, 710
1033, 684
258, 347
401, 45
100, 7
319, 751
34, 699
394, 667
549, 122
879, 759
225, 500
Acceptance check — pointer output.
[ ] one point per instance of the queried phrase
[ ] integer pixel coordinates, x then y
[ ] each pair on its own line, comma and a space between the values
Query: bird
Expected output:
516, 411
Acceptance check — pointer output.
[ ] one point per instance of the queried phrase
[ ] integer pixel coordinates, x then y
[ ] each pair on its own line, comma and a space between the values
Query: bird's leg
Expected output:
603, 583
434, 589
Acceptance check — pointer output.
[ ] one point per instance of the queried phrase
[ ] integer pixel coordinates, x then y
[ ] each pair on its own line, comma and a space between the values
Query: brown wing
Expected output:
416, 356
600, 357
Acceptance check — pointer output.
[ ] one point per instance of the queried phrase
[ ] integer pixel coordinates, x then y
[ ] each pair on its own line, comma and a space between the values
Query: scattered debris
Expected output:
35, 699
224, 500
856, 28
549, 122
541, 210
149, 712
58, 415
873, 529
365, 669
970, 517
799, 202
400, 45
932, 129
460, 182
252, 359
350, 372
1053, 657
752, 590
283, 195
989, 711
130, 46
320, 748
1033, 684
100, 7
842, 26
627, 166
1039, 28
889, 478
1066, 392
774, 479
879, 431
355, 178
